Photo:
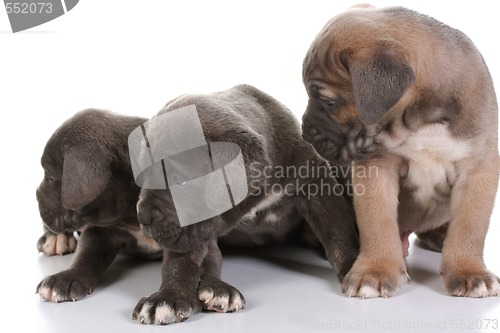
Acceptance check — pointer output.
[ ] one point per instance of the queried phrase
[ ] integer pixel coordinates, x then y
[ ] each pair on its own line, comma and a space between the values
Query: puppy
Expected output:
404, 93
88, 184
270, 141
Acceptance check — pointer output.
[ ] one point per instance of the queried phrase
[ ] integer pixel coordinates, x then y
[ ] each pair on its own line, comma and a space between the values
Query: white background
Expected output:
132, 57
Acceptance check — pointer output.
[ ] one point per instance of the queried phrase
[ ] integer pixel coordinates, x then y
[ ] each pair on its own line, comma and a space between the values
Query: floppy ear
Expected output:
378, 83
86, 173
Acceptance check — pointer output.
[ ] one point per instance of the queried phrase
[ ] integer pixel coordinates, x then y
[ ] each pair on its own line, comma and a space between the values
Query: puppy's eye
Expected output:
329, 102
49, 177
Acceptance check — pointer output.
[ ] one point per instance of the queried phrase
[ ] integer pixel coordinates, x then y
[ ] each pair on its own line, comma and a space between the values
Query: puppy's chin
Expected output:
350, 153
342, 149
66, 221
170, 237
330, 151
173, 238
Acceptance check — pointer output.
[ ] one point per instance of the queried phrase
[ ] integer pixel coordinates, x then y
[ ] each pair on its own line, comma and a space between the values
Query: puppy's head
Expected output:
160, 217
86, 179
176, 190
195, 195
354, 75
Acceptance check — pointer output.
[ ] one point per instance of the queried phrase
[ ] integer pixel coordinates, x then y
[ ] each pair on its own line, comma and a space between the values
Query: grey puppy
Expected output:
88, 184
269, 137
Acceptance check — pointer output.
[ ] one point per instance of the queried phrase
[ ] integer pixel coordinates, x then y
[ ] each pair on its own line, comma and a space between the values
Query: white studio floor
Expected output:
288, 289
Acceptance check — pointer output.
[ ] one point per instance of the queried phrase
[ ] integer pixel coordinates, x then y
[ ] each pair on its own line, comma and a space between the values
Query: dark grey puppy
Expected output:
277, 203
88, 185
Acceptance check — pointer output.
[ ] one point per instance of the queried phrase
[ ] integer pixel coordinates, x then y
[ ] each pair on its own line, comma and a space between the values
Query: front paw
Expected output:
166, 307
470, 279
65, 286
369, 278
216, 295
52, 244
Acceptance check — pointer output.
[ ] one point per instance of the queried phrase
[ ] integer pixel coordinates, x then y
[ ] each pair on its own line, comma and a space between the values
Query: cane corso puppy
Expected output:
279, 199
400, 91
88, 185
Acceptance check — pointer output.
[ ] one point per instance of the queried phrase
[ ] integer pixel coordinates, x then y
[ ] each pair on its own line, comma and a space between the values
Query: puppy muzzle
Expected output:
145, 218
340, 146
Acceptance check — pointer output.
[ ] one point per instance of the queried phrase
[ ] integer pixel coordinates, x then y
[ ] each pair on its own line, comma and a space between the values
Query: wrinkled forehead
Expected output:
346, 34
52, 156
325, 68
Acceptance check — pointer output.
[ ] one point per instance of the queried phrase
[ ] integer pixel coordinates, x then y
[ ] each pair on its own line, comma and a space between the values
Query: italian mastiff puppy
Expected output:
278, 201
404, 93
88, 185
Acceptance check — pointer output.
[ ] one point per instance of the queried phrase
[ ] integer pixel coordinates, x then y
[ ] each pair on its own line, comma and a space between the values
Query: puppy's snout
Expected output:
144, 212
308, 132
147, 214
145, 217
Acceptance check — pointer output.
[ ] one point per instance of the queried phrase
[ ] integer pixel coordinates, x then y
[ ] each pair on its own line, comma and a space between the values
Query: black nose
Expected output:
144, 217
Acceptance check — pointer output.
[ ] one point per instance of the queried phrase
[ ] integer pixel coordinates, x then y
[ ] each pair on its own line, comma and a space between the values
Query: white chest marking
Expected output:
264, 204
431, 153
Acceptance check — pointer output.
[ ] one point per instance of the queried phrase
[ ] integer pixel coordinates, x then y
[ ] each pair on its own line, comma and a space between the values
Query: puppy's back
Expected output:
242, 112
106, 130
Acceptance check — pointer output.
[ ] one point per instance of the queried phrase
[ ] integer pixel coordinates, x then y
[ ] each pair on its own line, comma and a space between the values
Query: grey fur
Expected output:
267, 133
88, 185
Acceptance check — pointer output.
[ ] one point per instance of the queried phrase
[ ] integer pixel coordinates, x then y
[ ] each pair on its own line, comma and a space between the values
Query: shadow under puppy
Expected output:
277, 204
402, 92
89, 185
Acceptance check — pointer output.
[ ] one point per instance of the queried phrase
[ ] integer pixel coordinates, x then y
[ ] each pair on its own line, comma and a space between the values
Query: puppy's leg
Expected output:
433, 239
215, 294
332, 220
95, 251
380, 268
51, 244
462, 267
177, 298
